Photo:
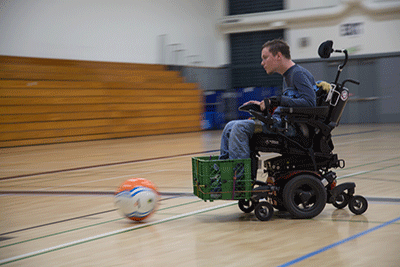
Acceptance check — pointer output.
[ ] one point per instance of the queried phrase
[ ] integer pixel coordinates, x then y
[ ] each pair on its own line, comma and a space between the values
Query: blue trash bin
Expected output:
214, 117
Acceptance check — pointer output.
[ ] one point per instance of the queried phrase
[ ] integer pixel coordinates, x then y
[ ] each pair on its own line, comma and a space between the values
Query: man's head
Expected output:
275, 55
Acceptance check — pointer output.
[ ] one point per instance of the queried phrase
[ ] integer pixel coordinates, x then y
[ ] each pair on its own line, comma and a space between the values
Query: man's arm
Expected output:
307, 97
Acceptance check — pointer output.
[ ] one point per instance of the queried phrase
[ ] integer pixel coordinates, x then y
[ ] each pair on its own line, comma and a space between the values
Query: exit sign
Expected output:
351, 29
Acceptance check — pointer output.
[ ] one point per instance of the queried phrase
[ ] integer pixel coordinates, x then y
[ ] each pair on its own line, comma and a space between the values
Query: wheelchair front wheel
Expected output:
246, 206
264, 211
358, 205
341, 201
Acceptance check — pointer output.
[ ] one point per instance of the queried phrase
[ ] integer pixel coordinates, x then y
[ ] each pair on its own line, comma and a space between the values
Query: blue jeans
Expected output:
235, 139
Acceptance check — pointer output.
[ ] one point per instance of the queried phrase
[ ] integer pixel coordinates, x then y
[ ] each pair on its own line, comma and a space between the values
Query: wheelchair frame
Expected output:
301, 181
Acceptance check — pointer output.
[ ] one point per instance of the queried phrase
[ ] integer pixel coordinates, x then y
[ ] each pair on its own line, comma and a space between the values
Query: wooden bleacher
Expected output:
45, 101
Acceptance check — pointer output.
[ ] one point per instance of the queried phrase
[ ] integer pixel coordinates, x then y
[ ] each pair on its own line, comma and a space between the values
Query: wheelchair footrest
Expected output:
262, 192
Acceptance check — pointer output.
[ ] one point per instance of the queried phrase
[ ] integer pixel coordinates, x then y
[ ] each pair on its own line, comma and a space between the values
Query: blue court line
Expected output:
338, 243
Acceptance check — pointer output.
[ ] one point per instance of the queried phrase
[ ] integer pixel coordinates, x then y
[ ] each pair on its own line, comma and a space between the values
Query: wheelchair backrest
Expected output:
336, 99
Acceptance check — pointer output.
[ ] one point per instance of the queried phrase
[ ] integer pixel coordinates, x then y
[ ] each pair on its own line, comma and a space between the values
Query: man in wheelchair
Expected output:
297, 125
298, 91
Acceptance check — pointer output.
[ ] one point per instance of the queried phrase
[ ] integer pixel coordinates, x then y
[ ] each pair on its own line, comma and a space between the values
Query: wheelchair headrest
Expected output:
325, 49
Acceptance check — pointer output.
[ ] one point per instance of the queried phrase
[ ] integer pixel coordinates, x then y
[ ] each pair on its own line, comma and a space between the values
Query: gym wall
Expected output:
117, 31
133, 31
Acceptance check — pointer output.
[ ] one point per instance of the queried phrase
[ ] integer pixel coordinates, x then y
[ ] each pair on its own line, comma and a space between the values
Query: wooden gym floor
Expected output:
57, 207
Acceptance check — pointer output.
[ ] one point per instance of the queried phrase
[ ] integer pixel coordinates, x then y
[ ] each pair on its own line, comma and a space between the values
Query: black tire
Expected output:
279, 207
358, 205
264, 211
341, 201
304, 196
246, 206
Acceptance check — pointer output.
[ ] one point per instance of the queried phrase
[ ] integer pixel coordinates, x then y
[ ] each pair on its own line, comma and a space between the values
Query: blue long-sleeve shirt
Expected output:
298, 89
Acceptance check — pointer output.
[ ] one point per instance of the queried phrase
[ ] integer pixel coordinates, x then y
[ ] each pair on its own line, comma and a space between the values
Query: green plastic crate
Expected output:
221, 179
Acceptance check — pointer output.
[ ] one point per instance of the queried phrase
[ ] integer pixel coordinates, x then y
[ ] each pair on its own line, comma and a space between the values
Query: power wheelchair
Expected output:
300, 180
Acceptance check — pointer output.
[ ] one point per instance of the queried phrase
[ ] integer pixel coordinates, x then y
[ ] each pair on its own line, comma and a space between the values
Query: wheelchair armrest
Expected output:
259, 116
305, 111
248, 107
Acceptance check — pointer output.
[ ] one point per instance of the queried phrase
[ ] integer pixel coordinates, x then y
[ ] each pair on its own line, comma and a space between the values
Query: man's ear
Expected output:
279, 55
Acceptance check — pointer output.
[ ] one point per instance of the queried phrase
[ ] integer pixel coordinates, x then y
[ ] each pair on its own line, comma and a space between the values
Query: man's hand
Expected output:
261, 104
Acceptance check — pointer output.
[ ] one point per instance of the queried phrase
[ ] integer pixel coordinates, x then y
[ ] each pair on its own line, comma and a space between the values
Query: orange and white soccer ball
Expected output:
136, 199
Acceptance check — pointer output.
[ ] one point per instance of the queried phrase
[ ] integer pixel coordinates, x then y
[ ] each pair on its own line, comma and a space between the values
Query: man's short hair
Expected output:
278, 45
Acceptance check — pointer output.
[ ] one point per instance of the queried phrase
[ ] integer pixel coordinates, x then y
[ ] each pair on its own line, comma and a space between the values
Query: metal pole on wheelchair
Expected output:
340, 68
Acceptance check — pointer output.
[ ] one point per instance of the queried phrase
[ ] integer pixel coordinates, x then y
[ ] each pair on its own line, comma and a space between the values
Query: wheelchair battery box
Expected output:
221, 179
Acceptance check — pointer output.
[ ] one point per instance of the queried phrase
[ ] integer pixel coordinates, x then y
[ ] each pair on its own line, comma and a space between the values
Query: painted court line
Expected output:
352, 174
363, 172
309, 255
96, 237
106, 165
156, 159
79, 228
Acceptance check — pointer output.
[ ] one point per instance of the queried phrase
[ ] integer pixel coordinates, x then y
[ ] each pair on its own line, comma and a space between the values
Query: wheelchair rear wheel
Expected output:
304, 196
